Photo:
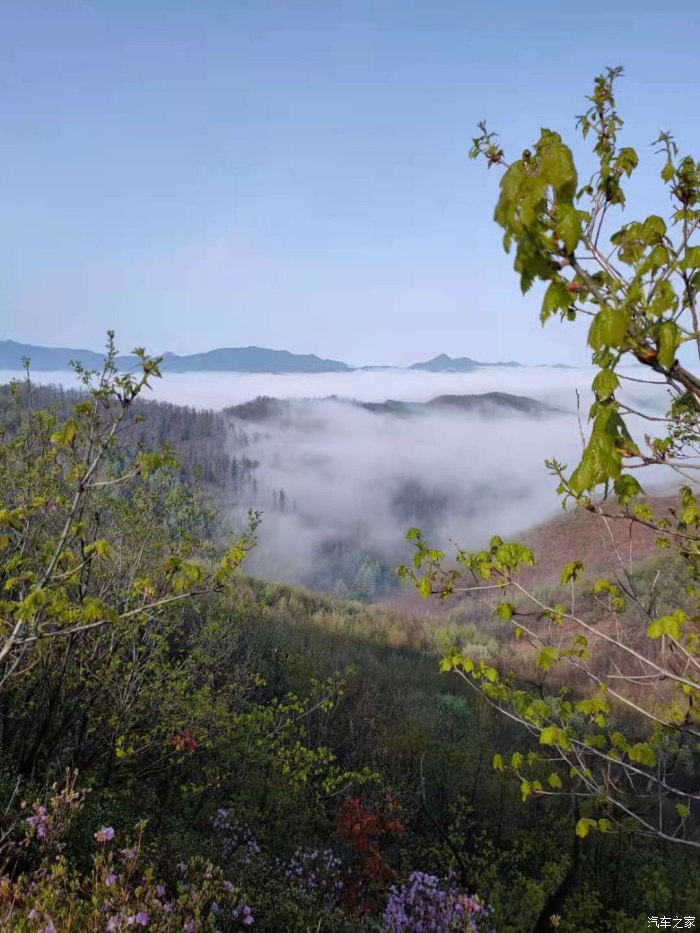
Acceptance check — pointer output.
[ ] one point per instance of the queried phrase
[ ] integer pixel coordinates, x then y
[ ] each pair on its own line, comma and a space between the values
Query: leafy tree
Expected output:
626, 748
84, 543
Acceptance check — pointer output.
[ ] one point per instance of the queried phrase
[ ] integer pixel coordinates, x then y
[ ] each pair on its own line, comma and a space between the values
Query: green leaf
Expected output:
668, 625
605, 384
691, 260
66, 435
505, 610
626, 488
642, 511
556, 298
653, 229
548, 736
571, 571
555, 781
609, 329
569, 228
554, 735
547, 657
425, 587
497, 763
668, 341
557, 167
627, 160
642, 753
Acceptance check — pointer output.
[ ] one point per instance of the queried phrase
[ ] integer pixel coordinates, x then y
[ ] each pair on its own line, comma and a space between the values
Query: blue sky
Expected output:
295, 175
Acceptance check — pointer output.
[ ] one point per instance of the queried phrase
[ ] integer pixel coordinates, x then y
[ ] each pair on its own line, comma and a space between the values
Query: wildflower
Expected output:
38, 821
129, 854
141, 918
160, 890
189, 926
106, 834
423, 903
110, 879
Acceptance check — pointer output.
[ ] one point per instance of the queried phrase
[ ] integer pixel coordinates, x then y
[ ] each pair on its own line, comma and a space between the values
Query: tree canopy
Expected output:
625, 746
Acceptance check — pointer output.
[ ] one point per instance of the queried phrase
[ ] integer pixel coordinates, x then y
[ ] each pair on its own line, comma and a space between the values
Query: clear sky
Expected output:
202, 173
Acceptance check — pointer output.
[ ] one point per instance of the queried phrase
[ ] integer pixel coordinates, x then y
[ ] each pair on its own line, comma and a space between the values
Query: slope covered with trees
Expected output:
184, 747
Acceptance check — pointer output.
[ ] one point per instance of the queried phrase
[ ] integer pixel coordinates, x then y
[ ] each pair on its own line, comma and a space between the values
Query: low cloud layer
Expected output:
354, 479
351, 474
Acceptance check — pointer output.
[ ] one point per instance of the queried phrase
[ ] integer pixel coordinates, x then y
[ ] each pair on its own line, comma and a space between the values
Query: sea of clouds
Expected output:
342, 465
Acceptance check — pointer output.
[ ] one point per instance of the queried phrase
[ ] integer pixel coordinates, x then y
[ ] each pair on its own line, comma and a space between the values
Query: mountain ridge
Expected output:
265, 407
251, 359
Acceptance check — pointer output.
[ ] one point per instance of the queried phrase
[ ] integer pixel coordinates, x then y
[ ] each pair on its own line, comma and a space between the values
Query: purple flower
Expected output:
189, 926
110, 879
130, 854
141, 918
112, 925
33, 914
160, 890
106, 834
423, 903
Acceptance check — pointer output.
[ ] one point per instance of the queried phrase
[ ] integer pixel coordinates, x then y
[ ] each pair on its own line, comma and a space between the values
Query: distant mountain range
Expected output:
231, 359
234, 359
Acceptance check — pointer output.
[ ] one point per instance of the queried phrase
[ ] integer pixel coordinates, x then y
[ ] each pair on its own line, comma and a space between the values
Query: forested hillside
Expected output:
185, 747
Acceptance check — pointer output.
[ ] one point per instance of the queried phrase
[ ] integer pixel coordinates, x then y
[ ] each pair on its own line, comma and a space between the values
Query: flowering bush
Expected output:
423, 905
236, 839
316, 874
120, 893
49, 821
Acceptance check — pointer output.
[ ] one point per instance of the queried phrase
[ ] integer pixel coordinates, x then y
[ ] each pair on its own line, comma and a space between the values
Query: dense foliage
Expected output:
239, 754
624, 743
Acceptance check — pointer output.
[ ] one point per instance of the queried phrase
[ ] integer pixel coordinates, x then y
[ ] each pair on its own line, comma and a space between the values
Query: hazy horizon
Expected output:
219, 390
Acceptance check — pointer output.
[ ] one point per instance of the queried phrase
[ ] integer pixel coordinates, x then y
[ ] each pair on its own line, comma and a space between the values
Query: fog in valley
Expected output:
339, 485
